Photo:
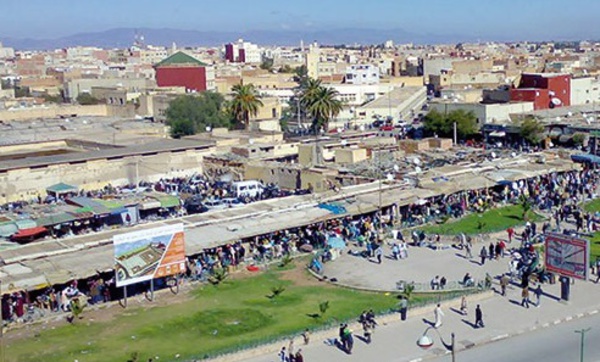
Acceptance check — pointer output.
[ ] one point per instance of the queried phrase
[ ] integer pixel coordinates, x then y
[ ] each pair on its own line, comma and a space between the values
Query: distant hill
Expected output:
123, 37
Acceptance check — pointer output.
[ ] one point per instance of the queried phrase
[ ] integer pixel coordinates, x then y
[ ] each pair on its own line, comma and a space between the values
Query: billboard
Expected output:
568, 256
147, 254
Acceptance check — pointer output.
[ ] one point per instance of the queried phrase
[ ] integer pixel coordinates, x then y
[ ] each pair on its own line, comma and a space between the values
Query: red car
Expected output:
387, 128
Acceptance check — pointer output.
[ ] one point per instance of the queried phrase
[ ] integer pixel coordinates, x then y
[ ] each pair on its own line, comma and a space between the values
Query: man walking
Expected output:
483, 255
478, 317
504, 283
538, 294
379, 253
468, 247
403, 307
438, 314
525, 297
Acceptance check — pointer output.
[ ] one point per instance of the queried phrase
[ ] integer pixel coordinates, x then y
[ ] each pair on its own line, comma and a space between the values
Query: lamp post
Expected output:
425, 342
582, 332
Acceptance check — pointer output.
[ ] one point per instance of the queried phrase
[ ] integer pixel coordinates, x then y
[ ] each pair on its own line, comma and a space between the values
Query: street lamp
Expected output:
582, 332
425, 342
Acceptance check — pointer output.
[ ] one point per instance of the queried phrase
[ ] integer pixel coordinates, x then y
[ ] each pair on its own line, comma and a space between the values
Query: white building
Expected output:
362, 74
6, 52
485, 113
585, 91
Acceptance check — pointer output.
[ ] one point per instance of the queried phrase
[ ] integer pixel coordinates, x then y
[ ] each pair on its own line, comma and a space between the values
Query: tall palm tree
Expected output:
323, 106
309, 90
246, 102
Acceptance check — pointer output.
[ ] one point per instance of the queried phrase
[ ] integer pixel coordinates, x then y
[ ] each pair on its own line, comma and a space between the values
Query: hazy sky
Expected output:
521, 19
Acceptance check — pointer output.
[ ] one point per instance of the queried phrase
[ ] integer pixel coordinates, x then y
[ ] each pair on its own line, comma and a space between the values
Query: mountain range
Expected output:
124, 37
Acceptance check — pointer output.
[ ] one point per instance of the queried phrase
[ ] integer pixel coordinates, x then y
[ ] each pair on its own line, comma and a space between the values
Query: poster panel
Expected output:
567, 256
147, 254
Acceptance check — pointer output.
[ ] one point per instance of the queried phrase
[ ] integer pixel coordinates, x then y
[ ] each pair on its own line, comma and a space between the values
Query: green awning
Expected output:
110, 204
55, 219
168, 201
61, 188
25, 224
7, 229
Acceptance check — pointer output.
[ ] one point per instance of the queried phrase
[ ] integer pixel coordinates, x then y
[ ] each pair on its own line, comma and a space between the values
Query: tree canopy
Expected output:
86, 99
532, 131
443, 124
246, 102
189, 114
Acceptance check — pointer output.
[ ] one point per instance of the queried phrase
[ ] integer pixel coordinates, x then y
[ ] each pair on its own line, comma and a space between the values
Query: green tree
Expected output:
246, 101
267, 64
52, 99
285, 69
21, 92
532, 131
324, 106
301, 75
443, 124
189, 114
86, 99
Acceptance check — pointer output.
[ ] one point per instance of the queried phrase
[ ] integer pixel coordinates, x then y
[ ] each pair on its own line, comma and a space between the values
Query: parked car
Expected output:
232, 202
194, 205
215, 204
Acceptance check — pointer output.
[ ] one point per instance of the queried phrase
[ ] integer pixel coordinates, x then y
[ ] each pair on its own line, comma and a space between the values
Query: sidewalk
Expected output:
396, 340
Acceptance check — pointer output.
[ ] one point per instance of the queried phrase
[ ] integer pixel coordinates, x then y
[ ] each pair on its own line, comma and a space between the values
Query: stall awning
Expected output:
7, 229
168, 201
61, 188
55, 219
25, 223
149, 205
26, 233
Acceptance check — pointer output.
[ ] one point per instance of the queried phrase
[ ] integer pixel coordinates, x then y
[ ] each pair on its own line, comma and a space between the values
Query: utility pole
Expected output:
298, 112
455, 138
582, 332
1, 328
453, 346
137, 174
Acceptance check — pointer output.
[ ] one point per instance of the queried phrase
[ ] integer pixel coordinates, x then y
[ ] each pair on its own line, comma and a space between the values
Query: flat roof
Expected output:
164, 145
394, 98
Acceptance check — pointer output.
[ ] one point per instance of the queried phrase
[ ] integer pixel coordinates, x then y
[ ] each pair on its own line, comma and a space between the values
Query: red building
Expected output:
545, 90
182, 70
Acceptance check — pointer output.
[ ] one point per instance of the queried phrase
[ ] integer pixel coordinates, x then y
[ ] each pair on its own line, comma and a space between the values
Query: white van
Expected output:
243, 189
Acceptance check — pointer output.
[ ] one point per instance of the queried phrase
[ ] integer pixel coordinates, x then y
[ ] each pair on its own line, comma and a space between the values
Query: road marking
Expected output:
416, 360
545, 325
580, 315
502, 336
593, 312
568, 318
556, 322
533, 328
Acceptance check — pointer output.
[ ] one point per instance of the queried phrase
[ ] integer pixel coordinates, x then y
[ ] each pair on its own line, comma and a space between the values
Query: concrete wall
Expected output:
27, 183
485, 113
21, 114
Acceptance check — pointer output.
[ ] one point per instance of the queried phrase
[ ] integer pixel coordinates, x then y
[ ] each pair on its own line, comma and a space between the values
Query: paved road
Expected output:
555, 344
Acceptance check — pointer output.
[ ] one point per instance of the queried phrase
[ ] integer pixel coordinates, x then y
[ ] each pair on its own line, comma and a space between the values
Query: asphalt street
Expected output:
554, 344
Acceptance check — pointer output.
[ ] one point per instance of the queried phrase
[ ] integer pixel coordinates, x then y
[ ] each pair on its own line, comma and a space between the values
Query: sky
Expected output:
521, 19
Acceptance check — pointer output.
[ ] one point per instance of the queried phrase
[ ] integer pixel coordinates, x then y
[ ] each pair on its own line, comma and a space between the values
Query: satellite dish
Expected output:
416, 161
418, 169
251, 141
588, 121
389, 177
362, 127
556, 101
569, 114
513, 155
557, 119
340, 130
344, 142
494, 155
396, 168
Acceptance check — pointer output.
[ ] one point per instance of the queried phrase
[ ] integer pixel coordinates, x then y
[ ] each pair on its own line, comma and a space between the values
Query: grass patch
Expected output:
211, 319
592, 206
493, 220
595, 247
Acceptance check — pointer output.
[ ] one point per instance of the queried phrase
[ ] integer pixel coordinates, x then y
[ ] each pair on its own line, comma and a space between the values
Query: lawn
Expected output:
592, 206
595, 247
490, 221
210, 320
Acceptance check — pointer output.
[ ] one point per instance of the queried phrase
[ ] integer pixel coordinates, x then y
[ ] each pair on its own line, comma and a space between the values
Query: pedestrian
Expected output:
597, 270
492, 250
538, 294
510, 231
435, 283
483, 255
349, 339
463, 305
282, 355
504, 280
291, 350
498, 250
525, 297
438, 314
468, 248
378, 254
299, 357
478, 317
403, 307
367, 331
443, 282
306, 337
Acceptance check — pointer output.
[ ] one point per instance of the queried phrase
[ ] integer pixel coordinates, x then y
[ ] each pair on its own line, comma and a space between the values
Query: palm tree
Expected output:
309, 90
246, 101
323, 106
